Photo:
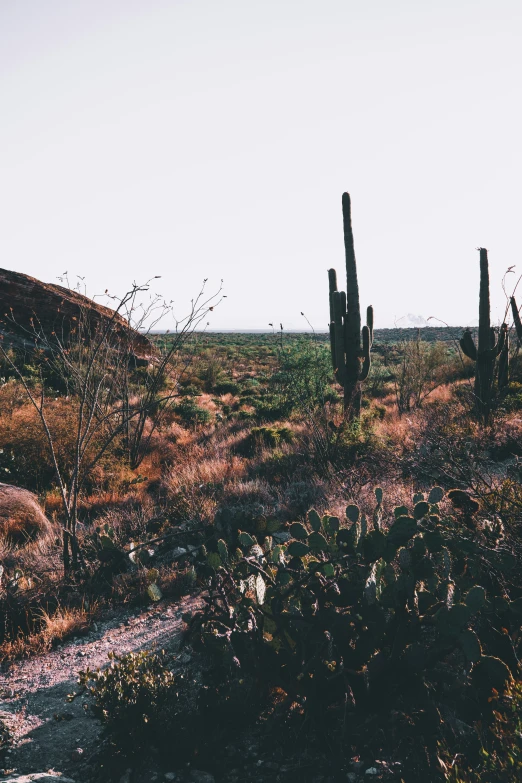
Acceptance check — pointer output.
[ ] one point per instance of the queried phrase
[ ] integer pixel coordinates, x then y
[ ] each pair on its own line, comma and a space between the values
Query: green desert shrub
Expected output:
226, 387
184, 715
131, 696
302, 380
270, 437
191, 413
513, 399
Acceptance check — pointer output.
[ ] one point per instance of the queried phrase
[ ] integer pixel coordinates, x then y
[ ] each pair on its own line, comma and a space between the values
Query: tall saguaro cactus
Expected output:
349, 344
489, 346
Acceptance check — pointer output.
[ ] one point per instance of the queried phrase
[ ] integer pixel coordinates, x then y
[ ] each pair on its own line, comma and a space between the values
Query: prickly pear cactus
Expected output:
347, 605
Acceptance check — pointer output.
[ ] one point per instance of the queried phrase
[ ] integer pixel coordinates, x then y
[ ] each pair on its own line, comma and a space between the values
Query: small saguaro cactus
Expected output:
489, 346
349, 344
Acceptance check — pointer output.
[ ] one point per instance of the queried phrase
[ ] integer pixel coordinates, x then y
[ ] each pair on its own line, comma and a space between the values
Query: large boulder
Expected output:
28, 306
21, 517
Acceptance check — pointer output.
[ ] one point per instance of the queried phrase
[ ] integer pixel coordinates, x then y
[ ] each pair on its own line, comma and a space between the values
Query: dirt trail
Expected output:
47, 729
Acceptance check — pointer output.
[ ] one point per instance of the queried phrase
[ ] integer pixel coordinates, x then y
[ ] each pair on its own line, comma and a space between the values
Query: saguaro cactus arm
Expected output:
332, 282
503, 366
339, 347
468, 346
516, 318
369, 322
365, 369
498, 346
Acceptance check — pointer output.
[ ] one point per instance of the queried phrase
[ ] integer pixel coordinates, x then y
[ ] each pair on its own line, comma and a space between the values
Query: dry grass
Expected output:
21, 518
55, 628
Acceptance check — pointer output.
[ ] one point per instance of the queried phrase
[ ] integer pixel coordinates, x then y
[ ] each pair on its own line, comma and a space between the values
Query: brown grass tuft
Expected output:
55, 628
21, 518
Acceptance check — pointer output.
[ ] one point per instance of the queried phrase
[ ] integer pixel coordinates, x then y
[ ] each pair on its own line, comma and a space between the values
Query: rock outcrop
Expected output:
29, 306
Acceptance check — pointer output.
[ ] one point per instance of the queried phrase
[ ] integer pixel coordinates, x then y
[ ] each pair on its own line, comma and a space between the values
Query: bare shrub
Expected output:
421, 369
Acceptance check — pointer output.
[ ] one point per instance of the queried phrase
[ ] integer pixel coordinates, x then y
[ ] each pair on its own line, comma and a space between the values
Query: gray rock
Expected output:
201, 777
282, 537
179, 552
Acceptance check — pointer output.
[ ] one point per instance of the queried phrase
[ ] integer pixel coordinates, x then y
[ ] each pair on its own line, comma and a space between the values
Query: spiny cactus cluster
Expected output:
488, 349
350, 346
343, 608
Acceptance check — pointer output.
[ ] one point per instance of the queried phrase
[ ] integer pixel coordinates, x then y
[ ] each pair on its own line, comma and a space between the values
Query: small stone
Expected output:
351, 776
282, 537
179, 551
201, 777
170, 776
77, 754
372, 771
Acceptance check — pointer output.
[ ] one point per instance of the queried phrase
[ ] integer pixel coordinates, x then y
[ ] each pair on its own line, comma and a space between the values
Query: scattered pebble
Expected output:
77, 754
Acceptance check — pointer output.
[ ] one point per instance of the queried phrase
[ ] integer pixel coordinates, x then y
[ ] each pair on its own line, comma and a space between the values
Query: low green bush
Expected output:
190, 412
226, 387
131, 697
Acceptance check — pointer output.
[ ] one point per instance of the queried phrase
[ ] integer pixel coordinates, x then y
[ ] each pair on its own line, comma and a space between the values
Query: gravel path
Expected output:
47, 730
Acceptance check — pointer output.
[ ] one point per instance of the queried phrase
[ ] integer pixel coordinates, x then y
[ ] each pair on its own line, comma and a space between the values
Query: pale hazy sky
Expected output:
214, 138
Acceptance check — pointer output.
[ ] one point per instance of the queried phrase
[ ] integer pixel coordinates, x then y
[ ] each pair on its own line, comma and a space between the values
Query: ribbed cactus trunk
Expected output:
485, 354
352, 325
486, 342
350, 347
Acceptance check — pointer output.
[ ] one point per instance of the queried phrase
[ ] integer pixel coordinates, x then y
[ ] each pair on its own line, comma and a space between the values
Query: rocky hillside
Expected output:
29, 307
